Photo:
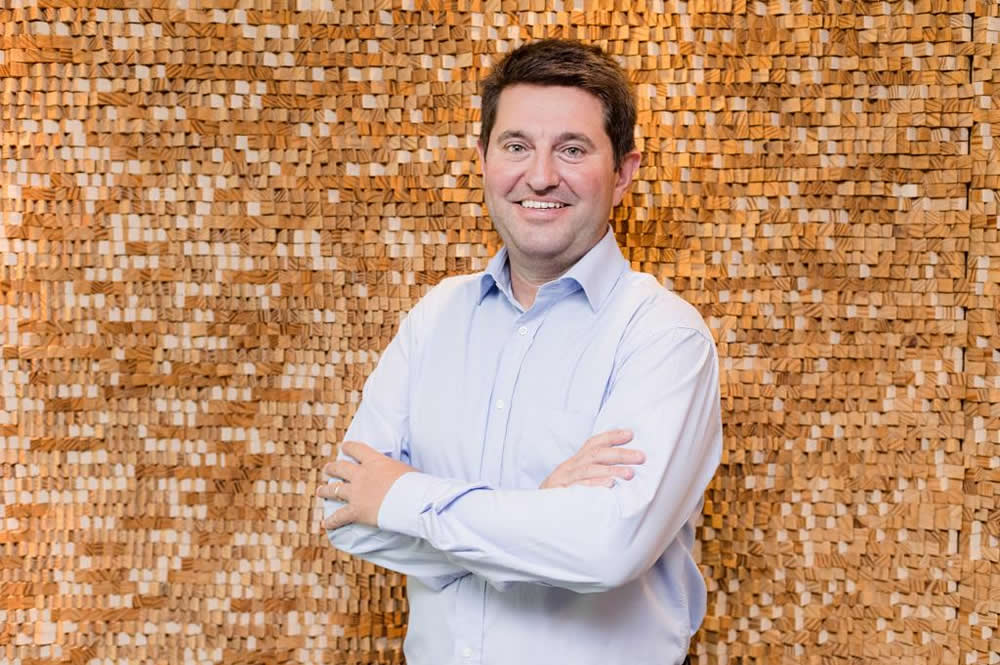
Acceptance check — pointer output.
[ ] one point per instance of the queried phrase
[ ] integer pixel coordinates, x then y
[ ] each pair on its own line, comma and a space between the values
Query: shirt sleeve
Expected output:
588, 539
382, 422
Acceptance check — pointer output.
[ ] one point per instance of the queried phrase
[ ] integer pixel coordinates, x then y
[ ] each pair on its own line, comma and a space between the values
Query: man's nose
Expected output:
543, 173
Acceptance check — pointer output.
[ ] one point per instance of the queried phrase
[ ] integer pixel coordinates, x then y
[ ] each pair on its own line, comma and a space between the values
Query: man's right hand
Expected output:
598, 462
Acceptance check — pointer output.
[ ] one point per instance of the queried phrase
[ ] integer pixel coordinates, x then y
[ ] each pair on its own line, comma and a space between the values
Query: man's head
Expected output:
557, 153
558, 62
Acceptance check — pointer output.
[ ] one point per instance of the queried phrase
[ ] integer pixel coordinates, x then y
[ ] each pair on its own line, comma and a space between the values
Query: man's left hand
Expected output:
364, 485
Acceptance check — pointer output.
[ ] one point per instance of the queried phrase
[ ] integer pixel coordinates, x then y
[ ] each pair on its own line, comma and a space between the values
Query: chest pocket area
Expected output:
547, 438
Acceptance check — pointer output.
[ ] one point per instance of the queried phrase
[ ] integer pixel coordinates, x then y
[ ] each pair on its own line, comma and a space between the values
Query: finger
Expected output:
330, 469
614, 437
335, 491
603, 472
597, 482
618, 456
357, 450
345, 515
340, 469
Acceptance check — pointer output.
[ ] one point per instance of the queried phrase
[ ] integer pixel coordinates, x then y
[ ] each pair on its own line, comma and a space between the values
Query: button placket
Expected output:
472, 596
511, 357
469, 603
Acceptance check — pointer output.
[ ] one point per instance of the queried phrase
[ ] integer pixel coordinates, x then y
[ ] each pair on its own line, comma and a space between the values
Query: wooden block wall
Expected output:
214, 213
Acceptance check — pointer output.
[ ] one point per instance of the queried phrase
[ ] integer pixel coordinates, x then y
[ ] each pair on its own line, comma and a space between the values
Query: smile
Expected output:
542, 205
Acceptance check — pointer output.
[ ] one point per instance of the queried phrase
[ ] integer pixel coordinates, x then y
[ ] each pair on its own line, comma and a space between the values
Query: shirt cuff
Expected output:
413, 494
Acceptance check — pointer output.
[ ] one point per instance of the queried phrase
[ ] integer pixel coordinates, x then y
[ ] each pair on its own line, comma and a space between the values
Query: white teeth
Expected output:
542, 204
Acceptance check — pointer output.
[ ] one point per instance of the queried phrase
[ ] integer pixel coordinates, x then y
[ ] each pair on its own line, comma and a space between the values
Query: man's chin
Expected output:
550, 255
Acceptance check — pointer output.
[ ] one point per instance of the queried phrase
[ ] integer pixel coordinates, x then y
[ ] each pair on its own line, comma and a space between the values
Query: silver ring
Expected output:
336, 491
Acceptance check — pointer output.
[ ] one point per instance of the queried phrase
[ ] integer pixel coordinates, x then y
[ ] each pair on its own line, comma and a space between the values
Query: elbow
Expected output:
346, 539
353, 538
612, 554
619, 575
358, 539
605, 580
615, 568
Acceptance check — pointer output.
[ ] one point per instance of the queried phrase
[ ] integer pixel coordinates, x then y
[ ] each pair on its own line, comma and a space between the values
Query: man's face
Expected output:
549, 176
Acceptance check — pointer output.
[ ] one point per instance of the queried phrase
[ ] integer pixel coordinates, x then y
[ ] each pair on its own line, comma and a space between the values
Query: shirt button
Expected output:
499, 403
467, 652
523, 330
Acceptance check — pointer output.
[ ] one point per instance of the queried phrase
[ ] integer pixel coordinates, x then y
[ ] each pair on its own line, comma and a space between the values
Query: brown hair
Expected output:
568, 63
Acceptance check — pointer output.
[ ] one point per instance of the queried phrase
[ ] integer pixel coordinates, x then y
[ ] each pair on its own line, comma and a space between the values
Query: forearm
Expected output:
395, 551
508, 535
586, 539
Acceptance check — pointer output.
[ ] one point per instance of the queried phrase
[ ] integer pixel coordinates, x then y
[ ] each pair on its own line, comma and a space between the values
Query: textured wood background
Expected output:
213, 214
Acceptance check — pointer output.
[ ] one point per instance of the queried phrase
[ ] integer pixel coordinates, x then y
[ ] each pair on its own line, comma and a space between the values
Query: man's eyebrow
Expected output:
565, 137
511, 134
569, 137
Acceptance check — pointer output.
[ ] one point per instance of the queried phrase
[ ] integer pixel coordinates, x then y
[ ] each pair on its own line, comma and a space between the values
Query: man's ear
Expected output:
625, 173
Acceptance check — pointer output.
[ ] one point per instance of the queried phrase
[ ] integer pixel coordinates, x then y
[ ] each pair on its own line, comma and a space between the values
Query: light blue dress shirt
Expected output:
486, 400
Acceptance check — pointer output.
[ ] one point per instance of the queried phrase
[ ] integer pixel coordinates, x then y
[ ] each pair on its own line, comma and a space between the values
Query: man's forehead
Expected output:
535, 89
527, 110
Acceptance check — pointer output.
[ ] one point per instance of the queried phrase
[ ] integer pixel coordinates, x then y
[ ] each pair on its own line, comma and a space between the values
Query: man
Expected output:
474, 464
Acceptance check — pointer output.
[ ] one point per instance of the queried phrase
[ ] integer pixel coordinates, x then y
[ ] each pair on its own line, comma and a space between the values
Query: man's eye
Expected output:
515, 147
573, 151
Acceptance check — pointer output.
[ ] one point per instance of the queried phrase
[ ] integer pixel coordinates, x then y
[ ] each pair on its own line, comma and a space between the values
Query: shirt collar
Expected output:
596, 272
496, 273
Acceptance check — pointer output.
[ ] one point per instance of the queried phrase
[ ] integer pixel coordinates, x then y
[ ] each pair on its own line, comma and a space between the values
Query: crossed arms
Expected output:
575, 531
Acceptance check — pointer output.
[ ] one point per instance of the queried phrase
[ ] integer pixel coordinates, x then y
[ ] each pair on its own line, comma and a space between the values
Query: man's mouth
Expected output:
541, 205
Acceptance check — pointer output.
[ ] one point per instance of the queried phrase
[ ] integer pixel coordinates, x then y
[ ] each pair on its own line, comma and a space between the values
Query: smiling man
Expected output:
533, 446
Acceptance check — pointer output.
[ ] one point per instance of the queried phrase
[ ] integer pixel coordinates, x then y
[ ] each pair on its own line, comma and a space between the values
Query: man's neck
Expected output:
525, 282
526, 279
525, 288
